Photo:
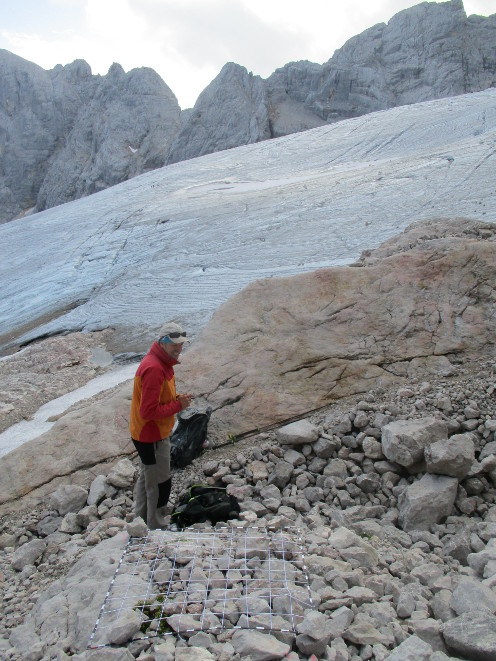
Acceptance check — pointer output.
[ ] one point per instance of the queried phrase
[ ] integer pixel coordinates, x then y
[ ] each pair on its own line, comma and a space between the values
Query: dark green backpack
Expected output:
204, 503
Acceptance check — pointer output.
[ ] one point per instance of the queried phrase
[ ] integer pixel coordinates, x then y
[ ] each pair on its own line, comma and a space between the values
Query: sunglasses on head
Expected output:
173, 336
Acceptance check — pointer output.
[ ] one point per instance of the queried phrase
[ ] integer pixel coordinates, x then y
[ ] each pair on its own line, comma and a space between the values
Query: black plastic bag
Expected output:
189, 437
205, 503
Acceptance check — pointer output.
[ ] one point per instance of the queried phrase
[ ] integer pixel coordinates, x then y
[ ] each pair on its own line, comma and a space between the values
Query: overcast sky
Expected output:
188, 41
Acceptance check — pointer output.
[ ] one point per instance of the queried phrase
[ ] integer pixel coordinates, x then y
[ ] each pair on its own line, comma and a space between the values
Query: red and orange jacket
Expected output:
154, 404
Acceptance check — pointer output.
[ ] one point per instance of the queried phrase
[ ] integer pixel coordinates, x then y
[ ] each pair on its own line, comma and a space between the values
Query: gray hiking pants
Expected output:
154, 482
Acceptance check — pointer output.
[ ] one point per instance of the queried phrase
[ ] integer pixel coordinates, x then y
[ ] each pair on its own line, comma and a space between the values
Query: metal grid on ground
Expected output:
182, 582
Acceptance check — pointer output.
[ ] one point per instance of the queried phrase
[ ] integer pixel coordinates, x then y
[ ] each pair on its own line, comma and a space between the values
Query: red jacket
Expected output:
154, 403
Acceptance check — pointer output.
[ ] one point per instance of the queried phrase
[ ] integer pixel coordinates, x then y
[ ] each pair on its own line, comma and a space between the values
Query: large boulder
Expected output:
404, 441
453, 456
427, 501
285, 346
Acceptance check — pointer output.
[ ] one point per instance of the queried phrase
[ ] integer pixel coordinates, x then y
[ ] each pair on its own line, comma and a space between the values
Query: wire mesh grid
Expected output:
182, 582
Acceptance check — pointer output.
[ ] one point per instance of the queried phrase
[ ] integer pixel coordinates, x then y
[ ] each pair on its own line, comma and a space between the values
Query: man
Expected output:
153, 409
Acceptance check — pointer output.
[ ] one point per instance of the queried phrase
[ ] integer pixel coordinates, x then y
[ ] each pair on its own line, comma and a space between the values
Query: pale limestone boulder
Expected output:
68, 498
427, 501
28, 554
122, 474
286, 346
470, 594
300, 432
453, 456
258, 645
472, 635
404, 441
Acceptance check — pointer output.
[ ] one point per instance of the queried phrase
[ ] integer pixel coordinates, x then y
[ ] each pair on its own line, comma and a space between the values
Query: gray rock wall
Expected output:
231, 111
65, 133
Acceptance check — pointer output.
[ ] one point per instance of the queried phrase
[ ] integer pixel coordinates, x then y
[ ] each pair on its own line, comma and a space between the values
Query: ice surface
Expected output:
177, 242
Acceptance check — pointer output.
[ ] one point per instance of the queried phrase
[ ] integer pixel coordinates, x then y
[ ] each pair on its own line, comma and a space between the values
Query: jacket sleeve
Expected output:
150, 408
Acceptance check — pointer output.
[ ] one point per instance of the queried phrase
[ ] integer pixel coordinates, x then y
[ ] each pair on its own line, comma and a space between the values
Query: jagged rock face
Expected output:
429, 51
288, 345
425, 52
66, 133
231, 111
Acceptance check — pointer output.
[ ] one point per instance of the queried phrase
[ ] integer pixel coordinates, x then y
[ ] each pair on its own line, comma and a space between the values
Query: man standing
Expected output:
153, 409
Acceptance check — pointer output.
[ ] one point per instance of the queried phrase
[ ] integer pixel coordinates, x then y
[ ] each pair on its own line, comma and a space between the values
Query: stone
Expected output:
472, 635
258, 646
244, 108
124, 628
412, 649
281, 474
27, 642
326, 447
97, 490
453, 456
404, 441
479, 561
68, 498
470, 595
313, 634
297, 433
427, 501
122, 474
28, 554
192, 654
137, 528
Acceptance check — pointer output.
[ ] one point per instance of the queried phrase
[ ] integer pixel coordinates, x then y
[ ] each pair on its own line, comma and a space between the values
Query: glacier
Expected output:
177, 242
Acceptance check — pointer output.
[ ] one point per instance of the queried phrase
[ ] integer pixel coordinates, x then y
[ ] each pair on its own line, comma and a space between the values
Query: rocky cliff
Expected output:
65, 133
426, 52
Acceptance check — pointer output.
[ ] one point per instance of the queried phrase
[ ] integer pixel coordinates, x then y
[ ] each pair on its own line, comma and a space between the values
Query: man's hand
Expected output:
184, 400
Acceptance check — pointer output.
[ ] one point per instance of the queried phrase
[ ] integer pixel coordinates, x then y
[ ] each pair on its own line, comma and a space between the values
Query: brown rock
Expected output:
285, 346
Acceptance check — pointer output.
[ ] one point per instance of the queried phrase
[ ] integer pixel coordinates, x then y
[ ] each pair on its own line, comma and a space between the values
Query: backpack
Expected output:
201, 503
189, 438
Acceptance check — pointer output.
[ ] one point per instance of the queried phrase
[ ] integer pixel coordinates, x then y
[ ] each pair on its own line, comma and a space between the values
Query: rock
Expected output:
412, 649
297, 433
258, 470
286, 343
244, 109
281, 474
39, 461
326, 447
453, 456
313, 634
68, 498
111, 130
192, 654
72, 112
122, 474
137, 528
472, 635
404, 441
124, 628
28, 554
27, 642
479, 561
258, 646
427, 501
97, 490
69, 524
470, 595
